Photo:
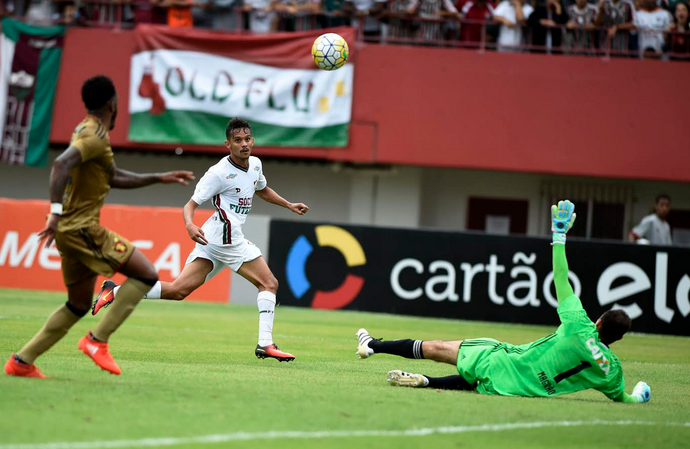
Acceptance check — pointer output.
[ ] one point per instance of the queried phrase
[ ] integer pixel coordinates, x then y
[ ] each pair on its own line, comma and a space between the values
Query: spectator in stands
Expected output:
41, 13
297, 15
678, 39
474, 11
617, 17
332, 16
398, 22
651, 21
366, 12
654, 228
179, 13
545, 23
262, 17
512, 15
432, 9
224, 15
149, 11
582, 17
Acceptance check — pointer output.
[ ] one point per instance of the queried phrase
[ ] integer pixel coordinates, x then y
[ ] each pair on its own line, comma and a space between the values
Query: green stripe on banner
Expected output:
209, 129
46, 80
12, 29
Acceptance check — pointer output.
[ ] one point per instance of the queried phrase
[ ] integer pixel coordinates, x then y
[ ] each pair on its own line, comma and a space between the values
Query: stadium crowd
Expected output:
649, 28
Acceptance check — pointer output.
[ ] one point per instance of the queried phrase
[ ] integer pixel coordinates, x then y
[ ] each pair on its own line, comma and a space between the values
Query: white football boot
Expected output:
399, 378
363, 350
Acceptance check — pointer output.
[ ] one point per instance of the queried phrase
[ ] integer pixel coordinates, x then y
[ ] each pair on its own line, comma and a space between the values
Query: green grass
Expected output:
189, 370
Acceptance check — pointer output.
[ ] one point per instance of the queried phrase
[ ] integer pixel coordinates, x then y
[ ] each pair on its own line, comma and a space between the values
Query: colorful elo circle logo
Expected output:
300, 251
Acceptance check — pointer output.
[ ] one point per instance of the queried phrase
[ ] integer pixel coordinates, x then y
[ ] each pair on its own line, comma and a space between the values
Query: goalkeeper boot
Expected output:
99, 353
14, 367
272, 351
363, 350
105, 297
402, 379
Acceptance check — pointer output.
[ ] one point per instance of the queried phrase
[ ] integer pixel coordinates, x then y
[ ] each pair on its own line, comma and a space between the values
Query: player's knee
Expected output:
182, 293
270, 284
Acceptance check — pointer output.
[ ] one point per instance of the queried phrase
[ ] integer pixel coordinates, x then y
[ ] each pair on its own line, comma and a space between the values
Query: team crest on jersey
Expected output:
231, 176
120, 246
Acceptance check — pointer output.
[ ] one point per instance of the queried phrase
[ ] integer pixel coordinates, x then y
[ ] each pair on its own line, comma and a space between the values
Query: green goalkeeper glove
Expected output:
562, 219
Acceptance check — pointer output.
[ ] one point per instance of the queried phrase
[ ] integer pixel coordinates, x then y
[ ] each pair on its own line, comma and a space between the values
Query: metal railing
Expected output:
388, 28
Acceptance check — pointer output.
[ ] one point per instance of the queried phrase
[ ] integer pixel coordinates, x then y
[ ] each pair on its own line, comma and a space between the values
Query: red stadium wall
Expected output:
25, 264
438, 107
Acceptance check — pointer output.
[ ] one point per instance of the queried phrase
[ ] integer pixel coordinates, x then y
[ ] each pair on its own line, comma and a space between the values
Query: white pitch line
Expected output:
247, 436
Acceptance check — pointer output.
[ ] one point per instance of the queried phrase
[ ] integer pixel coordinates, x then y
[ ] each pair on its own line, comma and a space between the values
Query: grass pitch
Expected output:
190, 379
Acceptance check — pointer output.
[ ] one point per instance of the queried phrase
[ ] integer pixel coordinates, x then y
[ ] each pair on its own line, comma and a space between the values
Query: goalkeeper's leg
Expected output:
437, 350
404, 379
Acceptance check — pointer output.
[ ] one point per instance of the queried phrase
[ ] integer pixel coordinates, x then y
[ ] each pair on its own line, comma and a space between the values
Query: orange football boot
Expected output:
15, 368
105, 297
272, 351
99, 353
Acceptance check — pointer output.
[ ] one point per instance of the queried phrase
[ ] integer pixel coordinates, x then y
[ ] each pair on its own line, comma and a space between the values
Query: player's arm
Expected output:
59, 174
194, 231
640, 394
124, 179
562, 219
269, 195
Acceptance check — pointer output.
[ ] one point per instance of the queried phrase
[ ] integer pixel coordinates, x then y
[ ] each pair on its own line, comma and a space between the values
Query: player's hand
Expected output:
298, 208
50, 229
177, 177
196, 234
562, 217
642, 392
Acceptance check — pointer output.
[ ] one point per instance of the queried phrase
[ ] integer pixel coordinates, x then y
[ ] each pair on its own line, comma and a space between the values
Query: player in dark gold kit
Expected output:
80, 179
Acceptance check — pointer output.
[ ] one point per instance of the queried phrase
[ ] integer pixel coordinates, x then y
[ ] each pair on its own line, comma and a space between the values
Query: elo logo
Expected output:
351, 250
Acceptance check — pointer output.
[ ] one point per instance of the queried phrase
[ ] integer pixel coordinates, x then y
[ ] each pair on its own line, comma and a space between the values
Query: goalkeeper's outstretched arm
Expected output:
562, 219
640, 394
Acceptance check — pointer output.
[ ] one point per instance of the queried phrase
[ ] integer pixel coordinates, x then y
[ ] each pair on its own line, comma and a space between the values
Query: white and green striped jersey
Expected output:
231, 189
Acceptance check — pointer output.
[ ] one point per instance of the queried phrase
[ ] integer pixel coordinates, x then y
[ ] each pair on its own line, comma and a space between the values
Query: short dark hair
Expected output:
97, 91
663, 196
235, 123
614, 324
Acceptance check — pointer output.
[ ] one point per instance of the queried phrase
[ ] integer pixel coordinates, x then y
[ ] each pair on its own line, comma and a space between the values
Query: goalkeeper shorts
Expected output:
474, 362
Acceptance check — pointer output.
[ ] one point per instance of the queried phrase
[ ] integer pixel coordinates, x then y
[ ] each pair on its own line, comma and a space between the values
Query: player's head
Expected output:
99, 97
662, 206
239, 138
581, 3
612, 325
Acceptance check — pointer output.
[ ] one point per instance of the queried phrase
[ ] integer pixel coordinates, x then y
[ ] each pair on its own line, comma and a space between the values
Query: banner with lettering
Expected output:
475, 276
186, 84
25, 263
29, 65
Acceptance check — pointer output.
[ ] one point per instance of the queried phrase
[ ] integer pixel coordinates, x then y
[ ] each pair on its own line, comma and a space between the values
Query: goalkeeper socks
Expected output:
154, 293
266, 301
131, 292
55, 327
449, 383
410, 349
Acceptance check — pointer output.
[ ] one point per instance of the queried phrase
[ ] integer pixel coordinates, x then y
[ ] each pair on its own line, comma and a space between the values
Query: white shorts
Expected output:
225, 256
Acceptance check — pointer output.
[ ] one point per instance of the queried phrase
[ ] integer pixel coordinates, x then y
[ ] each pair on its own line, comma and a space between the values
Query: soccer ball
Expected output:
329, 51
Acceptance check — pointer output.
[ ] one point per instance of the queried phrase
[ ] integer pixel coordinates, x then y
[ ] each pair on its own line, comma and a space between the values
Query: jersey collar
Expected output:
239, 167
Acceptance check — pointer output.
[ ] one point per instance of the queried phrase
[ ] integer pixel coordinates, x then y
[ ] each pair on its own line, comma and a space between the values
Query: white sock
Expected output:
267, 304
154, 293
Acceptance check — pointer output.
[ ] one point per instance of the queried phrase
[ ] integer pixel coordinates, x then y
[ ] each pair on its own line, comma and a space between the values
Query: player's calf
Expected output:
368, 346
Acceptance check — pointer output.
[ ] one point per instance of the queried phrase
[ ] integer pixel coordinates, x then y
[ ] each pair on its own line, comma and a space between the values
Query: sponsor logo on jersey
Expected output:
326, 236
598, 355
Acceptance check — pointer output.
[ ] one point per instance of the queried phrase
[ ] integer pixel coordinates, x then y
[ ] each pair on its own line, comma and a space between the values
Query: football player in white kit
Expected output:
230, 185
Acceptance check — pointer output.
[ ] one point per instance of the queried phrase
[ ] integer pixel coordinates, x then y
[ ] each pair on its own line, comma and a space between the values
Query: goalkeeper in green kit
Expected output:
574, 358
